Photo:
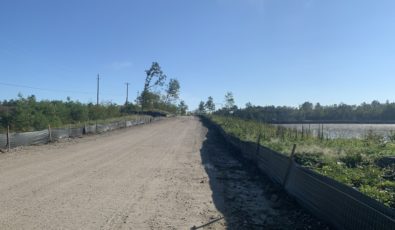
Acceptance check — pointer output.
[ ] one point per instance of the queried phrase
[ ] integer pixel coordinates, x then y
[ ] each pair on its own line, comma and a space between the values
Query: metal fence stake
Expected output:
289, 165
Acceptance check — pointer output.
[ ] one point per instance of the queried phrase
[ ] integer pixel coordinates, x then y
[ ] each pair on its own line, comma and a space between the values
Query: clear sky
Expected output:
280, 52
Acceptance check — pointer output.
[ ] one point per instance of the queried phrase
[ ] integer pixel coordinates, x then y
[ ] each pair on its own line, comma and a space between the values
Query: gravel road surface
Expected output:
164, 175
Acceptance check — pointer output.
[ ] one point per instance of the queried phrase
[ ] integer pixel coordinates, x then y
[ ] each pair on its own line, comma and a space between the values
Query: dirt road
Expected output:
159, 176
144, 177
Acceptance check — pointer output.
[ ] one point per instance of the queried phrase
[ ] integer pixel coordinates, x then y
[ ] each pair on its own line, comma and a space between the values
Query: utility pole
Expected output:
97, 96
127, 93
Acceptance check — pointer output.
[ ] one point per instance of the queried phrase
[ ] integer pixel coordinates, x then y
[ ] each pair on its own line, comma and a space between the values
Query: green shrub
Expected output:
311, 160
352, 160
383, 196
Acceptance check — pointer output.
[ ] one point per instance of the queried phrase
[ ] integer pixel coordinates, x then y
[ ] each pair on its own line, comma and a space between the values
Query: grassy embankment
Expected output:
351, 161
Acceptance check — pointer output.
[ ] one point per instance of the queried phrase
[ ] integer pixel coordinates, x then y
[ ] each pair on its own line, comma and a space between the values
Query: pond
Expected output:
345, 130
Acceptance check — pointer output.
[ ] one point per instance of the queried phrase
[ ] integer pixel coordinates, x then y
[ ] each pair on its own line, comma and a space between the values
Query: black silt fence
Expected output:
332, 201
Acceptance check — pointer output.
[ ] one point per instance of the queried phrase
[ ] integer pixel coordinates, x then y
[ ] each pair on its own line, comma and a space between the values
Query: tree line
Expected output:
374, 112
308, 112
28, 114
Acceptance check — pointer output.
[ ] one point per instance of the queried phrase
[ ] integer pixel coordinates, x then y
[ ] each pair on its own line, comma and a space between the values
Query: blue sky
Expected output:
280, 52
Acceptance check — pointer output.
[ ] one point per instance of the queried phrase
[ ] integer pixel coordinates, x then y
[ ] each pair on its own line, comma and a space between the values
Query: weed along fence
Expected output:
12, 140
334, 202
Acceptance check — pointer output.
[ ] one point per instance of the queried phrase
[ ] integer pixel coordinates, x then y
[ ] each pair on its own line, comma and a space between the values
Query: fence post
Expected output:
8, 138
49, 133
258, 143
319, 131
289, 165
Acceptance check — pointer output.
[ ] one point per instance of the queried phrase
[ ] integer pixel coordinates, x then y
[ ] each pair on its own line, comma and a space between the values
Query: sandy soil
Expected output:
144, 177
170, 174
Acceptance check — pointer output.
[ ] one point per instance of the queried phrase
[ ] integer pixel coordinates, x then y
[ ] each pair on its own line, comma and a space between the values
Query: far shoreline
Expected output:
333, 122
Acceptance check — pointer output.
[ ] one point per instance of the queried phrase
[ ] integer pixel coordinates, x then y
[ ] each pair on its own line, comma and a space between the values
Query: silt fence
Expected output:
13, 140
340, 205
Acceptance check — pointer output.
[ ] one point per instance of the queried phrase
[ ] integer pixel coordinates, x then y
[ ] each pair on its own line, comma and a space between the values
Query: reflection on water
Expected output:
345, 130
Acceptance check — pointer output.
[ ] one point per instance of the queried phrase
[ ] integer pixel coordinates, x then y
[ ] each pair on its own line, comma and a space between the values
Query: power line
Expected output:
109, 95
44, 89
105, 93
25, 52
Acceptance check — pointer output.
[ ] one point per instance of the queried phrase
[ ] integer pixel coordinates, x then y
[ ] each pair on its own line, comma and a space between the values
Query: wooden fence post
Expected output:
50, 133
8, 138
291, 158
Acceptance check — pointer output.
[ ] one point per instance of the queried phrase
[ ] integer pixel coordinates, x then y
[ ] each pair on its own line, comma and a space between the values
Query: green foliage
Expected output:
229, 106
148, 100
154, 77
350, 161
78, 112
129, 108
151, 98
210, 105
182, 108
28, 114
201, 108
386, 197
365, 112
229, 101
173, 90
310, 160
